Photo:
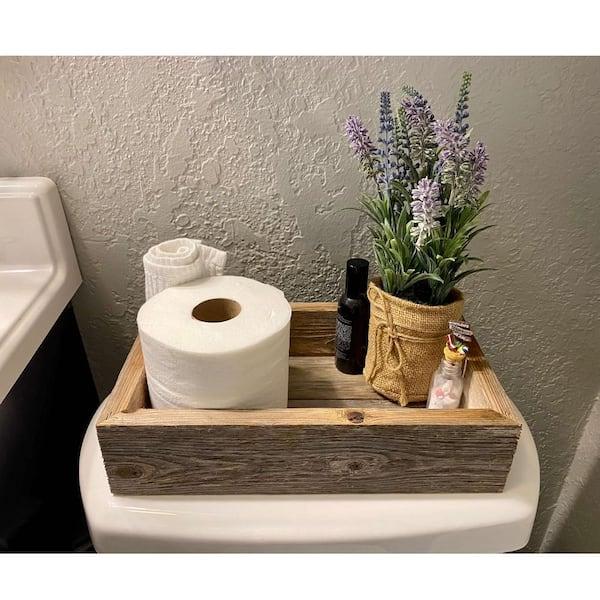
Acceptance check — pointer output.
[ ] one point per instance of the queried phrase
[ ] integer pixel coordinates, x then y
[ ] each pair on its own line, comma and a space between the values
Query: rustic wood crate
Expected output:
338, 436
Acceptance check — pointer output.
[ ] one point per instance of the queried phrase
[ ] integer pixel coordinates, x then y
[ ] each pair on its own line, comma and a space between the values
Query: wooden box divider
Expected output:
337, 436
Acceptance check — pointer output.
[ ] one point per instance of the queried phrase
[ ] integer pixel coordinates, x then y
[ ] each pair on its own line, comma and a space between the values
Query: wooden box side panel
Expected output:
312, 329
307, 459
130, 391
482, 389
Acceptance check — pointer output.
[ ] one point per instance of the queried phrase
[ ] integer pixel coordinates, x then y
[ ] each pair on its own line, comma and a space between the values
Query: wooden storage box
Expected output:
338, 436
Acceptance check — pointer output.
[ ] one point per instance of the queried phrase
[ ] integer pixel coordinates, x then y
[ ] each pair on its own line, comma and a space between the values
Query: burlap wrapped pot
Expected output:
406, 343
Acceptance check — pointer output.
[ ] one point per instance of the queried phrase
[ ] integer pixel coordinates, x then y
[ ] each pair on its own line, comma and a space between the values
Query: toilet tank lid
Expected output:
295, 520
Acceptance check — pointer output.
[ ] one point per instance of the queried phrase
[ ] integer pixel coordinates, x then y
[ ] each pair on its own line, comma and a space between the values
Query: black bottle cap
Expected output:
357, 276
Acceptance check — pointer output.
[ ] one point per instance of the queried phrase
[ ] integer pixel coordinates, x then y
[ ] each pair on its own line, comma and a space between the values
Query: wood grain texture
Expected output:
236, 459
312, 329
315, 382
306, 417
482, 389
130, 391
344, 439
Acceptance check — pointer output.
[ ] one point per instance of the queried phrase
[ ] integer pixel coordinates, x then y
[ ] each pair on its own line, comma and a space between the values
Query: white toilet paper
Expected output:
178, 261
194, 359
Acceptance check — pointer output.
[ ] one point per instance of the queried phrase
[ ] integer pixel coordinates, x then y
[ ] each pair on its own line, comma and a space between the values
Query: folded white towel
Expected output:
178, 261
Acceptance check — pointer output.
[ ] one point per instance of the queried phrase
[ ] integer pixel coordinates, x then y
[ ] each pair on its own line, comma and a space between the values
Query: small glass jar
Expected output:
447, 382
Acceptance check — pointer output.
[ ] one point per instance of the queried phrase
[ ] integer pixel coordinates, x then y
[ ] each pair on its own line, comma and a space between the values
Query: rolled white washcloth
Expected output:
179, 261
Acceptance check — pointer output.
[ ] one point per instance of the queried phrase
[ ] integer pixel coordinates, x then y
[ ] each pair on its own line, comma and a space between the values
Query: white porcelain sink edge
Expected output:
38, 270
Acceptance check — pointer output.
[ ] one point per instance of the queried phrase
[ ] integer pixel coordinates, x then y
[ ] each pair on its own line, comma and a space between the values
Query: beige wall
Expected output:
248, 154
574, 525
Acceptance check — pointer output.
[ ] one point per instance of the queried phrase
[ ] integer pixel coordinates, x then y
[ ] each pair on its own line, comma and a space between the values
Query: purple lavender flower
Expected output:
452, 142
478, 158
455, 161
462, 107
386, 139
358, 136
417, 109
401, 143
420, 120
426, 209
362, 146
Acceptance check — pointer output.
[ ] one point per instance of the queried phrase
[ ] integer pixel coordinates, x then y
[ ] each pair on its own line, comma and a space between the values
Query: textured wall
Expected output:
574, 525
247, 154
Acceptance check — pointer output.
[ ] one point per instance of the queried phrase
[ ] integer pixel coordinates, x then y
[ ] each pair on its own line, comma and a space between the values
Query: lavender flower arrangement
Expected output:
428, 198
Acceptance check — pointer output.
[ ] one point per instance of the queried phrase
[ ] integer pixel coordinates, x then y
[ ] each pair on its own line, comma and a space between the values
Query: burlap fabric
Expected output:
406, 343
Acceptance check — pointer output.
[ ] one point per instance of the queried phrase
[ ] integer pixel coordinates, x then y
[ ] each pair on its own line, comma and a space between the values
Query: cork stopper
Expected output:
453, 355
456, 341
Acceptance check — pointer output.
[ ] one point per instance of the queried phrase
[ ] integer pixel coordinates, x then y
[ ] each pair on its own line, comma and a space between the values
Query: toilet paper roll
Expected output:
219, 342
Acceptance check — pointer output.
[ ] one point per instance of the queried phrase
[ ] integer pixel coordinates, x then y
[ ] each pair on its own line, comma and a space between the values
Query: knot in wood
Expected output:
355, 416
128, 472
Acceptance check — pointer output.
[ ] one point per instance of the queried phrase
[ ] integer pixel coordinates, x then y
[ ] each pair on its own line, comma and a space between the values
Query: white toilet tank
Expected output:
312, 523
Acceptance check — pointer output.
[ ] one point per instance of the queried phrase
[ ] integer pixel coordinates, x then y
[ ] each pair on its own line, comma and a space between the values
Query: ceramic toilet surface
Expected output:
38, 270
312, 523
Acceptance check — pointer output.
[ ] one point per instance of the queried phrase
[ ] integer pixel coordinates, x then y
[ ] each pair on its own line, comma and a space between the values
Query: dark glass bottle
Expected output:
353, 319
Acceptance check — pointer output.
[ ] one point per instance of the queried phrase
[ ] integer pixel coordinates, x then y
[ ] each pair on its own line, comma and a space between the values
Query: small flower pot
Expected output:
406, 343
